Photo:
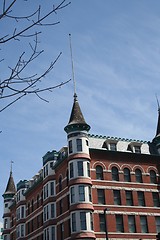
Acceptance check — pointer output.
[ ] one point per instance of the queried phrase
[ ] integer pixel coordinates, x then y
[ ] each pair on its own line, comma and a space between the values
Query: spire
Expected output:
158, 124
76, 121
10, 189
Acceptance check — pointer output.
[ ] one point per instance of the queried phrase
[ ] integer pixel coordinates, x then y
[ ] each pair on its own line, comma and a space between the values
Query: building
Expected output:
1, 230
95, 188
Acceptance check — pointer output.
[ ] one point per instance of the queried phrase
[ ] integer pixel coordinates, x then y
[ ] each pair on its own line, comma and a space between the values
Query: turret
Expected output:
81, 206
156, 140
8, 200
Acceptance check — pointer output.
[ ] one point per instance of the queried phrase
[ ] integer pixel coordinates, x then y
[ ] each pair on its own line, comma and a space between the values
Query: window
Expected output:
101, 196
137, 149
99, 172
71, 170
115, 175
52, 188
79, 145
38, 201
90, 194
88, 169
144, 225
73, 222
127, 176
129, 198
60, 183
32, 206
91, 220
72, 194
80, 168
138, 174
61, 206
52, 210
141, 199
157, 224
155, 196
53, 233
81, 191
70, 146
113, 147
119, 223
83, 221
153, 177
131, 223
102, 222
117, 197
62, 231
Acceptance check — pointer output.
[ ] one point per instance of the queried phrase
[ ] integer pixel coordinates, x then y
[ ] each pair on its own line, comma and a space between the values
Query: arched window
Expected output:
115, 175
127, 175
153, 178
99, 172
60, 183
138, 175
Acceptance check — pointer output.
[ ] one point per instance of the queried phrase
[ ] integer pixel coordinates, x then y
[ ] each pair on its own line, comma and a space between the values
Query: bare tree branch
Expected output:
19, 84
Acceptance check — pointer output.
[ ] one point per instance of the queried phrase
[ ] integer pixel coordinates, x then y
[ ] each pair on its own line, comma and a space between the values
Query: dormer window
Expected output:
134, 147
113, 146
110, 144
137, 149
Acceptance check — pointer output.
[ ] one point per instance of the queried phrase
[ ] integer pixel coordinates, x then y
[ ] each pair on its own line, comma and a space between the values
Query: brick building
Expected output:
97, 187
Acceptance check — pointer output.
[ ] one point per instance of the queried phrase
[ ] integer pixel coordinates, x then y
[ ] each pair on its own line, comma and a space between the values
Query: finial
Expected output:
74, 83
158, 103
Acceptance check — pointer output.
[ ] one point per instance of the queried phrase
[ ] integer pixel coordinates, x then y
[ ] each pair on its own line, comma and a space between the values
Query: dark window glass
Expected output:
79, 145
88, 169
80, 168
115, 174
71, 170
119, 223
101, 196
70, 146
60, 183
102, 222
129, 198
153, 177
137, 149
61, 206
73, 222
144, 225
131, 223
81, 193
72, 195
155, 196
62, 230
83, 220
117, 197
99, 172
157, 224
127, 176
141, 199
138, 174
113, 147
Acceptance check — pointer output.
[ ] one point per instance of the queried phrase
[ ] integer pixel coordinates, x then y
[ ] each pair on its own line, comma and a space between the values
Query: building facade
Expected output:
97, 187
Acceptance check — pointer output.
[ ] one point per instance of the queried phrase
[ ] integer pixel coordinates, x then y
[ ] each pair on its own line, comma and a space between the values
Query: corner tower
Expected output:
80, 184
8, 200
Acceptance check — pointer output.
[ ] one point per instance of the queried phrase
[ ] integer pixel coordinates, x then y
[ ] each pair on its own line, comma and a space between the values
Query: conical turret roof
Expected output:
76, 118
158, 124
10, 189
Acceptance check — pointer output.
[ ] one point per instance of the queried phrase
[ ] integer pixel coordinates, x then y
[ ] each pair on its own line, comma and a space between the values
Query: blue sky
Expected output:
116, 51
